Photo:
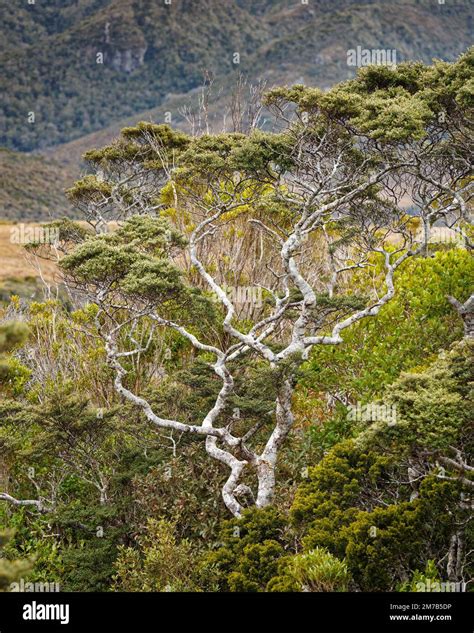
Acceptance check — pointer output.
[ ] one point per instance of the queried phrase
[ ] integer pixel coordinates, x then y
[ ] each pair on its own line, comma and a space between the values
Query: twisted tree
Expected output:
342, 183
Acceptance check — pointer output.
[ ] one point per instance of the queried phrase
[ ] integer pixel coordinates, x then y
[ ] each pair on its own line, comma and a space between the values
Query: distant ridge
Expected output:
154, 56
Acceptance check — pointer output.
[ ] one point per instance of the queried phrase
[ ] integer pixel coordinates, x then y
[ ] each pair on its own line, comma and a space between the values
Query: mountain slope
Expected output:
32, 187
149, 49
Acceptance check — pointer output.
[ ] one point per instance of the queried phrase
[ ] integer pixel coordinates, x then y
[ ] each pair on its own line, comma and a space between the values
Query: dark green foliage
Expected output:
380, 545
133, 260
358, 502
91, 537
248, 550
226, 153
334, 493
385, 544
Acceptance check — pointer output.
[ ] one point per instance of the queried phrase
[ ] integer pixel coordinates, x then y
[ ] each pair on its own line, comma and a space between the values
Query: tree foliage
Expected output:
182, 416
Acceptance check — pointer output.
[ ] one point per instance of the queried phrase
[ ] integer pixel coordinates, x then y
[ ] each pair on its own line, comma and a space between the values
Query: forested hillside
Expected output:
49, 54
251, 369
33, 186
73, 72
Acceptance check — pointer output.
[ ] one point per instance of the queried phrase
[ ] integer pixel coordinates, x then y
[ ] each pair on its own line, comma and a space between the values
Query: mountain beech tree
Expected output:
311, 203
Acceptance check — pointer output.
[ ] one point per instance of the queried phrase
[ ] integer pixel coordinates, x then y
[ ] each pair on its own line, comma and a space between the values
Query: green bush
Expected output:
421, 580
160, 564
316, 570
334, 493
11, 570
249, 549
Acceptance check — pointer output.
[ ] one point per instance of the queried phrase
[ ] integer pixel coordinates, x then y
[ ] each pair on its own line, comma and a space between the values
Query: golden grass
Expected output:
16, 263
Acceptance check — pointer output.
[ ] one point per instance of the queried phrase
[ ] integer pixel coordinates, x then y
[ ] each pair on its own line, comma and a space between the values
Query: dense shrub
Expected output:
160, 563
317, 570
249, 549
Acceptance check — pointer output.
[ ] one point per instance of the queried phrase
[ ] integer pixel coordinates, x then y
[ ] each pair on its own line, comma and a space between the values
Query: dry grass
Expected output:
15, 263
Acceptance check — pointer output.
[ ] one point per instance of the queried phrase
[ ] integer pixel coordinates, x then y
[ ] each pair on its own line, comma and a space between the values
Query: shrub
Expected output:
11, 570
420, 580
160, 564
316, 570
249, 550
